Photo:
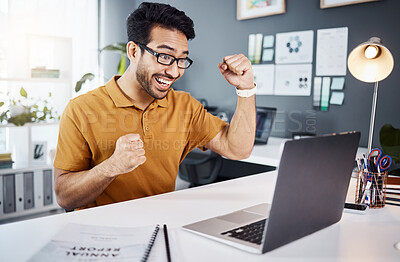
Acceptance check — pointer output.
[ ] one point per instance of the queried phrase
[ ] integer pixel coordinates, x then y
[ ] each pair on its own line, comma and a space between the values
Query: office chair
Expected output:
389, 137
200, 168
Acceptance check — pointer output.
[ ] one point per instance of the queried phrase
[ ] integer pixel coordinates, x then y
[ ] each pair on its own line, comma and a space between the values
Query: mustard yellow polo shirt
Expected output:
170, 128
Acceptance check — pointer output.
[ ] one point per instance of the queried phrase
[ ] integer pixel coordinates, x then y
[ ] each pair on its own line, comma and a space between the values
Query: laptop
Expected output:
265, 119
313, 178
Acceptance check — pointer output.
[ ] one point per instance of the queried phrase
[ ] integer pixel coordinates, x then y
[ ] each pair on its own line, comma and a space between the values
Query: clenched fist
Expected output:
128, 154
237, 71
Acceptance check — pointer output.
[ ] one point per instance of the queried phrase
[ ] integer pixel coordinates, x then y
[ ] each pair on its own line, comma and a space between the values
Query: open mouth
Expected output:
163, 83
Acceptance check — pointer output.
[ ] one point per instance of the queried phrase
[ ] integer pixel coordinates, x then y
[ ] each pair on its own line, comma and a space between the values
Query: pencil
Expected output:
167, 243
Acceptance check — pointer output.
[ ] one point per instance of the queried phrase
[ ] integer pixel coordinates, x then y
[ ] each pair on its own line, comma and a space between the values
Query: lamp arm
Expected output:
372, 122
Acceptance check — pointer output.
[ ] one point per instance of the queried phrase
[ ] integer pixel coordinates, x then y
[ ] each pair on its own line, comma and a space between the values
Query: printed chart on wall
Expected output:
293, 80
264, 77
331, 53
294, 47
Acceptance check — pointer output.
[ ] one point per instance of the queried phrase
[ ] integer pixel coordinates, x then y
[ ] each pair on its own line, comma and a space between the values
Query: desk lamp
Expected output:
371, 62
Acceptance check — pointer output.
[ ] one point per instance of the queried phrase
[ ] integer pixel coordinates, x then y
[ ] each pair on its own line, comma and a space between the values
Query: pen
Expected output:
167, 243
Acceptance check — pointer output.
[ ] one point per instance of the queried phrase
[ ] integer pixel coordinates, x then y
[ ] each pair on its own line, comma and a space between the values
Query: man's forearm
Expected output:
238, 138
241, 131
76, 189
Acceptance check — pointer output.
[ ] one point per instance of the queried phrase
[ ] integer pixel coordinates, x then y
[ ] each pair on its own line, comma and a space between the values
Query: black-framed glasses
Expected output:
166, 59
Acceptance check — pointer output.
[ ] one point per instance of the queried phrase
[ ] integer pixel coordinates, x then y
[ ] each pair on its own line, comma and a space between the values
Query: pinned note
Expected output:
317, 91
337, 98
337, 83
326, 83
268, 55
251, 48
268, 41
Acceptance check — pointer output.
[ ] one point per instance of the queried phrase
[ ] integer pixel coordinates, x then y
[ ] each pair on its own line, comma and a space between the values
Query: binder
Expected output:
38, 188
19, 192
47, 187
1, 196
28, 190
9, 193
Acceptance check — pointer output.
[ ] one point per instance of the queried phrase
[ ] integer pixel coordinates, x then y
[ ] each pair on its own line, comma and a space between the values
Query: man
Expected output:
125, 140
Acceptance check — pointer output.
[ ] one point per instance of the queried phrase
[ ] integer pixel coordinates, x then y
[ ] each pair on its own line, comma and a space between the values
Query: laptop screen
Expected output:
265, 120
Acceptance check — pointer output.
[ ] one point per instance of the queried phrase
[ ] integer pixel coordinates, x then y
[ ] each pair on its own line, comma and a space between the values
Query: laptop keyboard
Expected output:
251, 233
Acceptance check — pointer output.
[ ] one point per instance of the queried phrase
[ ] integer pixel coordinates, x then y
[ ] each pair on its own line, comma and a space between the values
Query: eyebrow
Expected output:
171, 48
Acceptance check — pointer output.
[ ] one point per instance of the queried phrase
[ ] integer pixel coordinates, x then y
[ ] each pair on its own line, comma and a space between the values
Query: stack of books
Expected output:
393, 191
41, 72
5, 160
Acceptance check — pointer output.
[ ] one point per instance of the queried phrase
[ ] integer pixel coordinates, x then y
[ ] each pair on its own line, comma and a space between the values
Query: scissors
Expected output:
381, 162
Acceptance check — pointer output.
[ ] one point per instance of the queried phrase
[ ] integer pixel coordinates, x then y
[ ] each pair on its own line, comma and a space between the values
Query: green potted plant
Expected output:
119, 47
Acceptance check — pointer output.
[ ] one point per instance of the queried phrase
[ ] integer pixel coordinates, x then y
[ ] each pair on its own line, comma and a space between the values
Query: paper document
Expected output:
331, 51
77, 242
293, 80
264, 78
294, 47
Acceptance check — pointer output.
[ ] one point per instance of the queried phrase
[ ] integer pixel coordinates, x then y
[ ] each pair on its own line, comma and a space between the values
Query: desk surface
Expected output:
270, 154
369, 237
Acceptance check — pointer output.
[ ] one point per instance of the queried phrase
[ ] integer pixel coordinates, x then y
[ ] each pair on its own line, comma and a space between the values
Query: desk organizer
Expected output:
371, 188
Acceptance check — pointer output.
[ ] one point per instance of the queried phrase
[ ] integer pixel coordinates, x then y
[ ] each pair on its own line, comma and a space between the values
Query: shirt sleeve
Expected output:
204, 127
73, 152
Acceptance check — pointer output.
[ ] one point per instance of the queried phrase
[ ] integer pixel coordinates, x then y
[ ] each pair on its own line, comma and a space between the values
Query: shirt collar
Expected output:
119, 98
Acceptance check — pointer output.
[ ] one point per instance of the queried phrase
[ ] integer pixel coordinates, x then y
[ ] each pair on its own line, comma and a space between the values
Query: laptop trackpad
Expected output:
241, 217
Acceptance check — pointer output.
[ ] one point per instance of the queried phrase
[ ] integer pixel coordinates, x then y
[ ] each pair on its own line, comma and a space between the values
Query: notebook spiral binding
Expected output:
151, 243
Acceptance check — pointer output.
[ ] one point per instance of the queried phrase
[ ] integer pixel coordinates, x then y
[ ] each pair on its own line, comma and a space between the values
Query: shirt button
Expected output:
147, 128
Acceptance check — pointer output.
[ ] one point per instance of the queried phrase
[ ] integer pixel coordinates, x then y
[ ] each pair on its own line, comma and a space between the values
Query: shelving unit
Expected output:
25, 192
27, 188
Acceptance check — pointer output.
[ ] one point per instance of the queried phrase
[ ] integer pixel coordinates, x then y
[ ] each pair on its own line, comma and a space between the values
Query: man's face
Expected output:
156, 78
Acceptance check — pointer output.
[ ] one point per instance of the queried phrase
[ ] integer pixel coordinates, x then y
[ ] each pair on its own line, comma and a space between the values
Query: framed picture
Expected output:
247, 9
39, 152
335, 3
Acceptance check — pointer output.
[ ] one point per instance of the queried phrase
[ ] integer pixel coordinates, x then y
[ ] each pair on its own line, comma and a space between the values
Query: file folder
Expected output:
19, 192
9, 193
1, 196
38, 188
28, 190
47, 187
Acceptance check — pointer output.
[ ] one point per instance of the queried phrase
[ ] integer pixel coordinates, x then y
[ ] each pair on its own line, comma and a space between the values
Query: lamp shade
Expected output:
370, 61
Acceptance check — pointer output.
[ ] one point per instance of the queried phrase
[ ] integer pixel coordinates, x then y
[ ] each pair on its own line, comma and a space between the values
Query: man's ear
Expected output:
132, 51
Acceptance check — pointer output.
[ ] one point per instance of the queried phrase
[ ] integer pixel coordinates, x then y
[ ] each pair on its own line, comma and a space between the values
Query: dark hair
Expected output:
149, 15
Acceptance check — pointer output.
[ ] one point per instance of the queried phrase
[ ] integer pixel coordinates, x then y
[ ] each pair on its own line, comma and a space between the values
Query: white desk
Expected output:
270, 154
355, 238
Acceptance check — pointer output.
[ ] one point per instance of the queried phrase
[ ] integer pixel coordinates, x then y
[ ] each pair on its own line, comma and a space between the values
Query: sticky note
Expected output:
258, 47
337, 98
317, 91
337, 83
268, 55
268, 41
251, 48
326, 83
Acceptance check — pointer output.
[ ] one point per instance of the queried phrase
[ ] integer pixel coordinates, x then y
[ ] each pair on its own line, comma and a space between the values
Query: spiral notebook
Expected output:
78, 242
150, 244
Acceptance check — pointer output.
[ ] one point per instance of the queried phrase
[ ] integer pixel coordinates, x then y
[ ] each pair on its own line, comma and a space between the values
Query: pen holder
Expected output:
371, 188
